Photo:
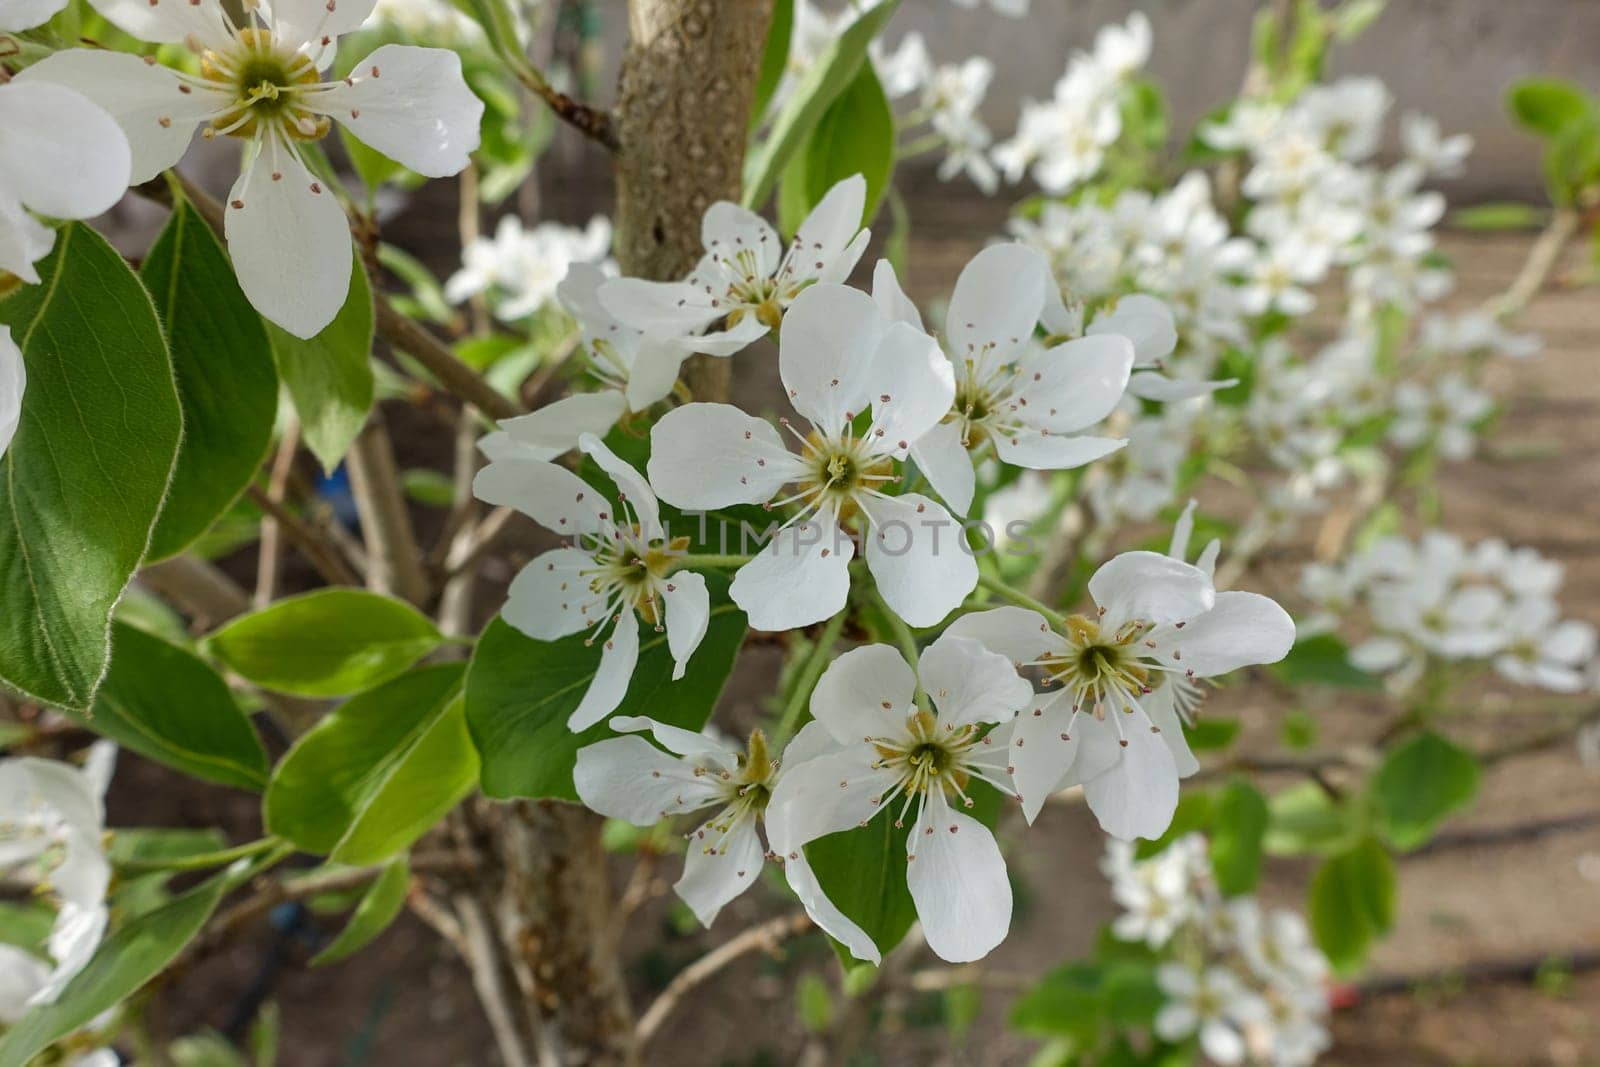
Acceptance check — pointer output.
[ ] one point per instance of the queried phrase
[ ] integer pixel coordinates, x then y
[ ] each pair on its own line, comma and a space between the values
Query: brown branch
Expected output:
197, 588
270, 555
593, 122
765, 938
394, 563
1523, 968
319, 552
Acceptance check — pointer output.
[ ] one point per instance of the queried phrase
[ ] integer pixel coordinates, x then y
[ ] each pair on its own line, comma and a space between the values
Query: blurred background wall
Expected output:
1449, 58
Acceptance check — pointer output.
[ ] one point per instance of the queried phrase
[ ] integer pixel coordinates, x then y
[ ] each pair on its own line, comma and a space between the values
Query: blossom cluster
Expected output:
1437, 599
1246, 980
889, 419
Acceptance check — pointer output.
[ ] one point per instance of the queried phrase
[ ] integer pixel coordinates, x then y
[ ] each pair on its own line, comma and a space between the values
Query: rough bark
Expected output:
682, 118
681, 122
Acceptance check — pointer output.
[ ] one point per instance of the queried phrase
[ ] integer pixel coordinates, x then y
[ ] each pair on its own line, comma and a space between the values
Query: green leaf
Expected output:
1212, 733
85, 475
327, 643
813, 1004
775, 59
226, 380
378, 771
521, 691
1351, 903
1195, 811
379, 907
26, 924
1066, 1001
1323, 659
204, 1050
854, 136
1546, 106
167, 704
863, 871
828, 77
1419, 784
1499, 216
125, 962
1239, 822
330, 376
1305, 819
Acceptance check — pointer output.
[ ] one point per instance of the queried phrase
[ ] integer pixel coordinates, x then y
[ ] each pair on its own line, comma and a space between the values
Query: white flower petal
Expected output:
1137, 797
1073, 385
919, 557
706, 456
735, 338
147, 102
823, 912
554, 429
912, 388
617, 660
890, 298
811, 741
550, 495
1144, 321
1149, 385
653, 374
25, 14
411, 104
719, 867
739, 236
1241, 629
1149, 587
958, 880
660, 309
290, 241
826, 795
1159, 706
1098, 751
630, 779
825, 352
829, 243
1039, 755
678, 740
13, 384
943, 460
301, 22
22, 974
802, 576
23, 241
1046, 451
867, 691
60, 154
688, 611
168, 21
996, 302
970, 684
1017, 633
631, 486
551, 596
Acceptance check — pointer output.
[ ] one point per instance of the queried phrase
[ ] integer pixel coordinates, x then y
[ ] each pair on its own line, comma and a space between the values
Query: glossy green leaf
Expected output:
828, 77
863, 871
1323, 659
1351, 903
1238, 825
378, 771
327, 643
227, 382
379, 907
330, 376
856, 135
85, 475
126, 960
1498, 216
1067, 1001
169, 705
1419, 784
1305, 819
521, 691
1545, 106
775, 59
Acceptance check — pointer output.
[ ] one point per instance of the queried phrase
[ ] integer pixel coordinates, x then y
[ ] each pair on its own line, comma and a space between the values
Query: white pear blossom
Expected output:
1027, 401
264, 83
746, 280
620, 567
25, 14
1212, 1003
838, 356
13, 383
629, 778
918, 764
523, 269
52, 820
60, 156
1100, 723
1156, 895
1429, 149
1014, 8
1446, 413
635, 371
1473, 333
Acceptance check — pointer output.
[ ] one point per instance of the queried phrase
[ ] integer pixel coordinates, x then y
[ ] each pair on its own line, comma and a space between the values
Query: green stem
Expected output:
204, 860
1005, 592
816, 661
919, 146
902, 637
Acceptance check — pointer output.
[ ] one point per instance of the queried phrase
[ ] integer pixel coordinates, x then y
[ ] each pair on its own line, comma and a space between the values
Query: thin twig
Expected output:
594, 123
1542, 259
197, 588
765, 938
394, 562
478, 950
311, 542
483, 538
1503, 970
270, 555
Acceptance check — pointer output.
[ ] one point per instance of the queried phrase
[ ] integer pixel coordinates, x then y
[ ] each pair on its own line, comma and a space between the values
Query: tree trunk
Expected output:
682, 119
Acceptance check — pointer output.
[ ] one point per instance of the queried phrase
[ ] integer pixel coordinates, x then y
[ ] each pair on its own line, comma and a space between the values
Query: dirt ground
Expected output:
1476, 902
